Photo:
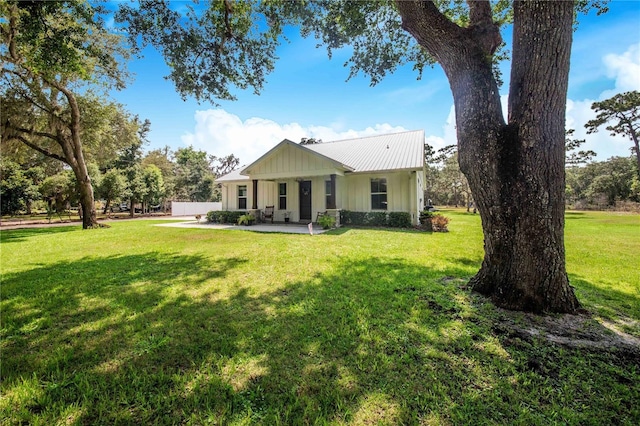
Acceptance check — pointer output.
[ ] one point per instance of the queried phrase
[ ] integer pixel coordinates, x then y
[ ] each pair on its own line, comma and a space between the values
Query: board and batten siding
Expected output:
355, 191
290, 162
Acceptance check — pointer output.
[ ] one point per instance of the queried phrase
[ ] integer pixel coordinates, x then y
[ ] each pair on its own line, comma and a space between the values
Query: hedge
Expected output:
391, 219
224, 216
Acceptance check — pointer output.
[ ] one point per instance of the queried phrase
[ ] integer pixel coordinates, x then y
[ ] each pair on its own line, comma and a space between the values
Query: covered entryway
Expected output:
305, 200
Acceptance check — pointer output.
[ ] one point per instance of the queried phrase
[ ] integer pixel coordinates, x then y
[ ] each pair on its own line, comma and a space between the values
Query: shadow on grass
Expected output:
18, 235
346, 228
54, 303
124, 340
575, 215
476, 263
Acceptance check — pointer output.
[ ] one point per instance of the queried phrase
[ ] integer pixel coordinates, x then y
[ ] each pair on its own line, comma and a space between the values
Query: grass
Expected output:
137, 324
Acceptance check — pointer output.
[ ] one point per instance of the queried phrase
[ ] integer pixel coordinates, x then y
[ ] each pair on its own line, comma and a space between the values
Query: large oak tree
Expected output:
51, 52
514, 166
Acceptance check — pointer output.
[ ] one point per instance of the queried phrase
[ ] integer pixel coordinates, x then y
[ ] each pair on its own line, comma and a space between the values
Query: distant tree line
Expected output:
608, 184
140, 182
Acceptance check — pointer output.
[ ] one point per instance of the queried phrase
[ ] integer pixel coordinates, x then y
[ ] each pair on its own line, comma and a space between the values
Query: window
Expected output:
282, 196
378, 194
327, 191
242, 197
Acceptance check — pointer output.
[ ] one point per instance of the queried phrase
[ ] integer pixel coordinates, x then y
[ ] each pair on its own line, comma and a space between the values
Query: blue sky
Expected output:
308, 96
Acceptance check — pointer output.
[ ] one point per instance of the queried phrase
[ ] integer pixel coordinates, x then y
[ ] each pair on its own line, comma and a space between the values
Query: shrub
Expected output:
348, 217
399, 220
376, 219
425, 216
246, 219
224, 216
439, 223
392, 219
326, 221
214, 217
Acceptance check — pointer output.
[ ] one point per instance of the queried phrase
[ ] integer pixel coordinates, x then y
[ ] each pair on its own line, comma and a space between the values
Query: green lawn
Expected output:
139, 324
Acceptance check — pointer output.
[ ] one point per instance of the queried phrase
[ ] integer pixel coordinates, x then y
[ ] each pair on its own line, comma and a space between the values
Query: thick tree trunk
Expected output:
69, 140
89, 216
515, 170
524, 265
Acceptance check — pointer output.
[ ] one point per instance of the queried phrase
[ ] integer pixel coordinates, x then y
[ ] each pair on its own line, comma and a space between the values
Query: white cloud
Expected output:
624, 69
221, 133
605, 145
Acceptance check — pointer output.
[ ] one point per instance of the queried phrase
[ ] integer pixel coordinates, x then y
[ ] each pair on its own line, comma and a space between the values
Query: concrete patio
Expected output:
285, 228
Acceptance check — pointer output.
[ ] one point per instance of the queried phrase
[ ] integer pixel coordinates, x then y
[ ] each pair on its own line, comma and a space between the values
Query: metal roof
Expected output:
233, 176
394, 151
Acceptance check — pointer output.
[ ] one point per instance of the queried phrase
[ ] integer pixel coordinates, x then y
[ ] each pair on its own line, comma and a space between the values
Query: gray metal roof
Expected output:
233, 176
394, 151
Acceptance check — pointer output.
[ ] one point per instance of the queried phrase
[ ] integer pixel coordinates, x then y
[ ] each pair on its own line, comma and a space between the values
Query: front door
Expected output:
305, 200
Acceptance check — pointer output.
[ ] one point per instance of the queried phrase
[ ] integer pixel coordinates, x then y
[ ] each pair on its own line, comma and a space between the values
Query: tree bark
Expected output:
68, 137
516, 169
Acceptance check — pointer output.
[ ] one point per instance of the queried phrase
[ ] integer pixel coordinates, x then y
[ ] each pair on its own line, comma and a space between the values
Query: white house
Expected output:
375, 173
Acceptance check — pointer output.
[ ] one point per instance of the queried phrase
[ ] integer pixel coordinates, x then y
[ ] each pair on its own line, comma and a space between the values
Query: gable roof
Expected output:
305, 148
394, 151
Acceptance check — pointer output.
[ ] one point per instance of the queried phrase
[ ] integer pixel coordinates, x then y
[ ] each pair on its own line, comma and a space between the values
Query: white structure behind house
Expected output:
179, 208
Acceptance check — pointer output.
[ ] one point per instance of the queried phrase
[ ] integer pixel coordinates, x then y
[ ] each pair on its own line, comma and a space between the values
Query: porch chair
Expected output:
268, 213
320, 214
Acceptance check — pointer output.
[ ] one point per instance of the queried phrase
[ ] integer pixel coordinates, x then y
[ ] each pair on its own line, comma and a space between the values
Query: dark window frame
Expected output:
327, 193
242, 199
282, 196
379, 191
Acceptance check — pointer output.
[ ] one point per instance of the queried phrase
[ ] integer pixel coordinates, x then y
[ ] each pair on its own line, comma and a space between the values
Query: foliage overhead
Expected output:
212, 47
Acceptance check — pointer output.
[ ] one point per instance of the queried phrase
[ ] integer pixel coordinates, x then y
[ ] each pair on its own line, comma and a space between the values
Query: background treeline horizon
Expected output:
30, 181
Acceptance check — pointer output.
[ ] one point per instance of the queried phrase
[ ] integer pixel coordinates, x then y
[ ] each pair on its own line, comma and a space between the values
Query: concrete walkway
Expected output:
288, 228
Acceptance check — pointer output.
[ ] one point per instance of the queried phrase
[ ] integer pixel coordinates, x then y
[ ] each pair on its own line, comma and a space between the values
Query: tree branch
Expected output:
431, 29
480, 12
30, 144
483, 29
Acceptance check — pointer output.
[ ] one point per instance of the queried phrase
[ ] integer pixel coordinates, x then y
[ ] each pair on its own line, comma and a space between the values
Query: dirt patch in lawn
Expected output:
582, 331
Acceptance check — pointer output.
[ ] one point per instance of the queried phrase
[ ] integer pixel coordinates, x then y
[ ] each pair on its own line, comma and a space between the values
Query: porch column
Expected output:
332, 198
254, 206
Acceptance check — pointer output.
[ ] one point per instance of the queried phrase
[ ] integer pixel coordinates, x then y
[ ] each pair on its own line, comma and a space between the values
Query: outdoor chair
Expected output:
268, 213
320, 214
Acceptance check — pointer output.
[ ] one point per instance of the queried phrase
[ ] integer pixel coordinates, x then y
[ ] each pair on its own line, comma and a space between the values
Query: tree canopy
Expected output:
622, 114
52, 52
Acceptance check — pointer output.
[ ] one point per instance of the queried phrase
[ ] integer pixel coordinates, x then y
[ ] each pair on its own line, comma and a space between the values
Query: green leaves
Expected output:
63, 39
621, 110
210, 48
